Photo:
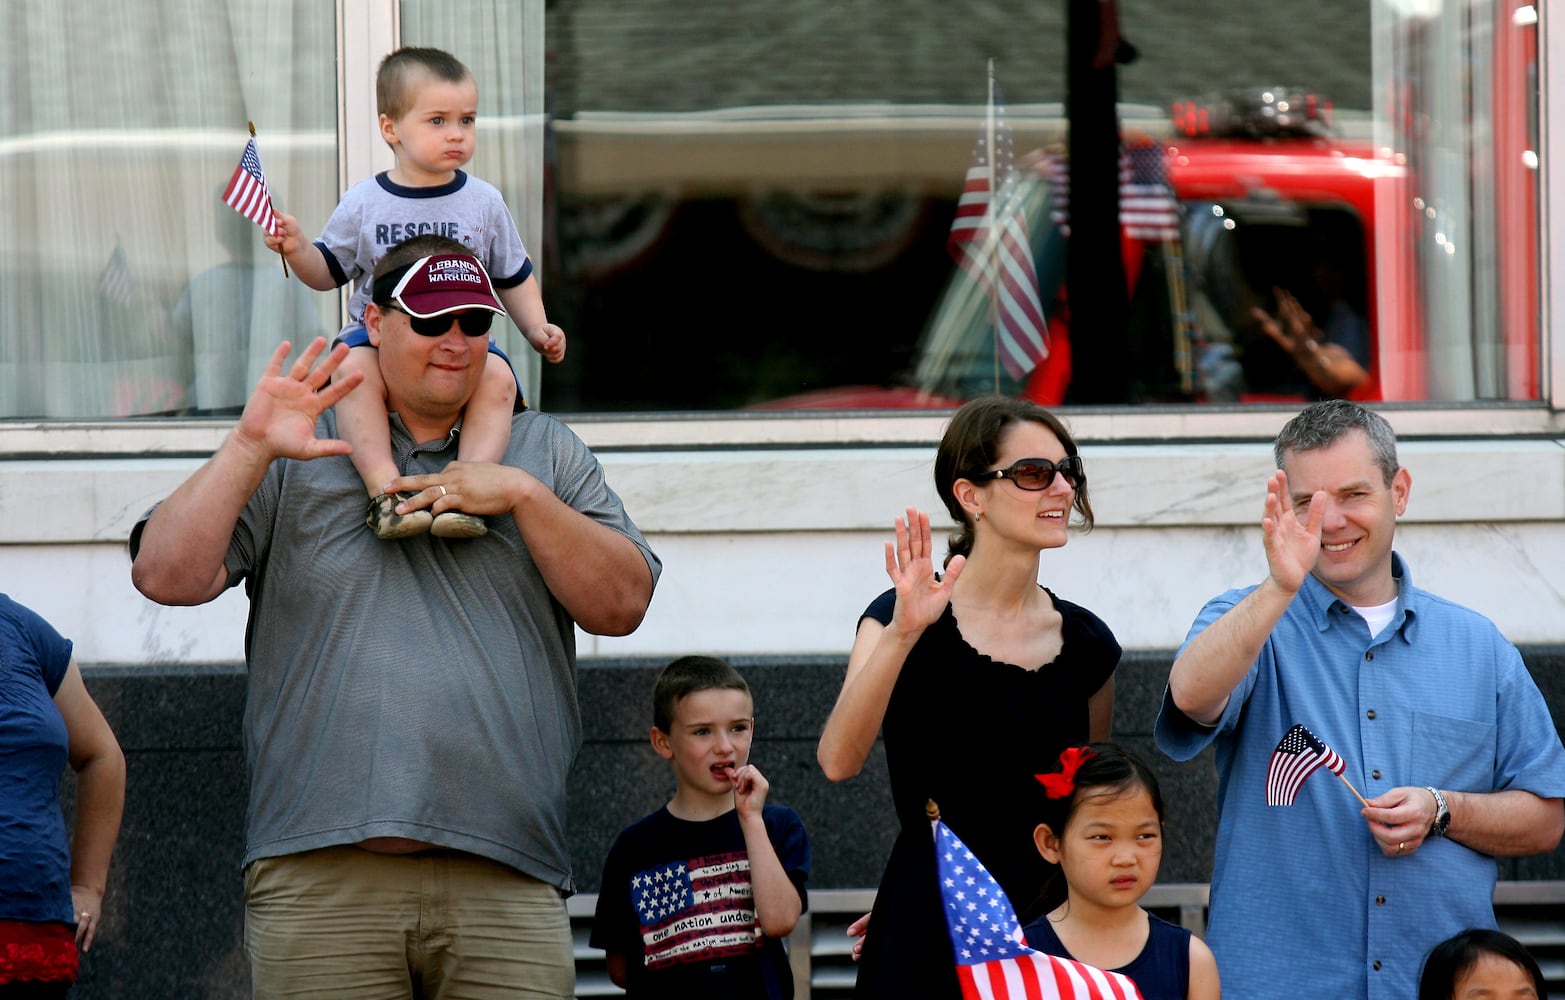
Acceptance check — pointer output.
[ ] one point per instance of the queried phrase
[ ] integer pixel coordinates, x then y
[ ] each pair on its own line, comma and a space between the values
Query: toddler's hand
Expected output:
289, 236
750, 788
548, 340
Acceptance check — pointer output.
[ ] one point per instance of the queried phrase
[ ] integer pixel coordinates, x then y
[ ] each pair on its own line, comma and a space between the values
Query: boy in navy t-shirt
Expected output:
697, 897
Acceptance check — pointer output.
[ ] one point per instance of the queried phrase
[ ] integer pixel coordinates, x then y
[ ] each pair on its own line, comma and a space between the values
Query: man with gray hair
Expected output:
1432, 711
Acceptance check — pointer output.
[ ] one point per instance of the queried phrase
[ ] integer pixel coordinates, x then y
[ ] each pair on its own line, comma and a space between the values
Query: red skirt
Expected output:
44, 953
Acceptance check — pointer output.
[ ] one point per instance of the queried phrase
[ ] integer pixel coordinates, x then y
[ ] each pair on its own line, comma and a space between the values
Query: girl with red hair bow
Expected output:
1103, 827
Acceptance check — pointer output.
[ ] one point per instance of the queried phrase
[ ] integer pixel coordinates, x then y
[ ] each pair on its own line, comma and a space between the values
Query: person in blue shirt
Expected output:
1432, 710
52, 879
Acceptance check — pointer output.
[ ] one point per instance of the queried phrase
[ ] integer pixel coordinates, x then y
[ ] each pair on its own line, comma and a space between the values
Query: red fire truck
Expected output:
1272, 194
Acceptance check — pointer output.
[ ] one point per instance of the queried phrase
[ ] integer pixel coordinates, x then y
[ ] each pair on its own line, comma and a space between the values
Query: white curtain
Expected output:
126, 286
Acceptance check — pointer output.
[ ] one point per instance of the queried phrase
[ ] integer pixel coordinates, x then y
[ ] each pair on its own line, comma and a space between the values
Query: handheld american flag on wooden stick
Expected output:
993, 961
1298, 755
990, 241
247, 192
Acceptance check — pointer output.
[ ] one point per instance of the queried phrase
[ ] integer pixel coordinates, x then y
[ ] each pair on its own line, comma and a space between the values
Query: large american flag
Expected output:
1148, 209
989, 239
695, 910
1298, 755
993, 961
247, 192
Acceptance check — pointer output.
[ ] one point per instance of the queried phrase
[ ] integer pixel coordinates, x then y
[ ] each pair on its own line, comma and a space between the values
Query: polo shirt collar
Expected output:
400, 430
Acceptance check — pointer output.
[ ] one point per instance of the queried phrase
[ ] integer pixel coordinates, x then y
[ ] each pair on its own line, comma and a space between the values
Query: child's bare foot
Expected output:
387, 524
455, 524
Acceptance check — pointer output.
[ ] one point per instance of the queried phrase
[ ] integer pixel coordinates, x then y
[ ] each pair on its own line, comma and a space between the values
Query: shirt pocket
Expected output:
1451, 753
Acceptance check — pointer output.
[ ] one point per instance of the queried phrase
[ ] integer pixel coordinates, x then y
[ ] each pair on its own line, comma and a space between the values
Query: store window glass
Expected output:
752, 207
127, 287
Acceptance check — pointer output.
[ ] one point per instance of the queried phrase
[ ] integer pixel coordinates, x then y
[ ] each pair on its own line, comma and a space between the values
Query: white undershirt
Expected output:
1377, 616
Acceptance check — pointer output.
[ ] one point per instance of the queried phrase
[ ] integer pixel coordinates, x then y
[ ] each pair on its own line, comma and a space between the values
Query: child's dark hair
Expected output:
687, 675
1108, 770
1101, 770
393, 80
1452, 957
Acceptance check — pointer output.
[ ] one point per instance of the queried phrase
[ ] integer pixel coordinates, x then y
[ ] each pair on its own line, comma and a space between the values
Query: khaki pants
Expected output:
348, 924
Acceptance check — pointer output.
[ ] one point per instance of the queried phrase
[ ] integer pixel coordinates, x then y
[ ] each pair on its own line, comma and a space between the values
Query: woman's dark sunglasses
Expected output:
1037, 473
474, 322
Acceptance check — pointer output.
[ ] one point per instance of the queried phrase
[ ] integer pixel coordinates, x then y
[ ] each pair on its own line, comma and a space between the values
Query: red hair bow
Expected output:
1064, 783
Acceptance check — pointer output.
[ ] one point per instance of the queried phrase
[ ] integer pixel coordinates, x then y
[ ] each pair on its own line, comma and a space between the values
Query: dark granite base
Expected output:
173, 920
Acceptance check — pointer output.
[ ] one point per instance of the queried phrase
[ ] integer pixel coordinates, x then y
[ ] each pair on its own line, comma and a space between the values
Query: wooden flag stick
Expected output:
251, 126
1355, 791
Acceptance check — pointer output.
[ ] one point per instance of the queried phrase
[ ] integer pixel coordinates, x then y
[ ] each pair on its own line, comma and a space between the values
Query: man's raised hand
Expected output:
279, 418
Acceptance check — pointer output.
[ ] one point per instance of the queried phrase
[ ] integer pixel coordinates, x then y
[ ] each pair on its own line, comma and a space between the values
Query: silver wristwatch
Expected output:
1442, 812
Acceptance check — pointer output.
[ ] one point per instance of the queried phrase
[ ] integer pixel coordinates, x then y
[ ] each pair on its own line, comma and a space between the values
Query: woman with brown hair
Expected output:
977, 677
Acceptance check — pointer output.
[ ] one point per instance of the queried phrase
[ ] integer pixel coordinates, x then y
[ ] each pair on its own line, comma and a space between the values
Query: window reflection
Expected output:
1461, 109
723, 224
119, 125
791, 254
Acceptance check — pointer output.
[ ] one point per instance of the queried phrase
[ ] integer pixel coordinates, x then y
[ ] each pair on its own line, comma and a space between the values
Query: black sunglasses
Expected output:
1037, 473
474, 322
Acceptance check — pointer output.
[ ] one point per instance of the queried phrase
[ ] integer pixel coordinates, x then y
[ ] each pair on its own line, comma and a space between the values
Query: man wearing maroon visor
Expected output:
411, 716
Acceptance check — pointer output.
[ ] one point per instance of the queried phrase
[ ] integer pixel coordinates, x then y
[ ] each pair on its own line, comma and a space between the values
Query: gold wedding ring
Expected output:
441, 488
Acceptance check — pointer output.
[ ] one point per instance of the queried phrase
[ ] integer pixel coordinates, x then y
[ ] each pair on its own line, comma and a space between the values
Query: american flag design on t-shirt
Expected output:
696, 910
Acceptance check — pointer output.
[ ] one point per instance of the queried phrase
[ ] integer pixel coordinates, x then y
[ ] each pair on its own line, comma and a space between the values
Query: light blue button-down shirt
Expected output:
1303, 901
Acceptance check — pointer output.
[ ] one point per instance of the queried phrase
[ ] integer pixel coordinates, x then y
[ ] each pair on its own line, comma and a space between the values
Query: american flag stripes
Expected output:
989, 239
696, 910
993, 961
1148, 209
247, 192
1298, 755
114, 282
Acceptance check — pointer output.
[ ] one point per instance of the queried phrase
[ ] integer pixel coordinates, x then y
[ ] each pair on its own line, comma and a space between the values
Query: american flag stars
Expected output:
993, 961
1298, 755
982, 923
659, 892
